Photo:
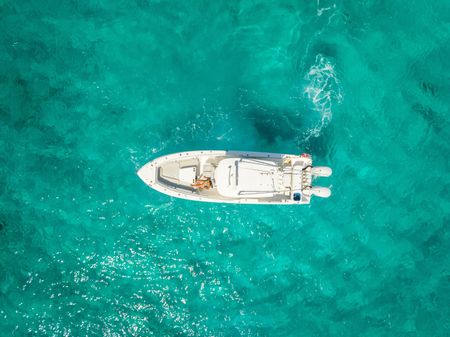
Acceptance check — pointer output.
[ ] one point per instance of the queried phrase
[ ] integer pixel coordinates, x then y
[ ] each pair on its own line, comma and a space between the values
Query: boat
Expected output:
236, 177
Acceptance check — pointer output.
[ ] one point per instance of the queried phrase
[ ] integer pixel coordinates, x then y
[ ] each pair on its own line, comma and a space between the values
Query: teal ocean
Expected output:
92, 90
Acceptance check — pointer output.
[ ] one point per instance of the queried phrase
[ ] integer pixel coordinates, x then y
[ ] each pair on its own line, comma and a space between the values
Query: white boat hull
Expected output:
235, 177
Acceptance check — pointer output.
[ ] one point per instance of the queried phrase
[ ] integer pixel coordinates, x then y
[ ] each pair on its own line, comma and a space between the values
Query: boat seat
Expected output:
208, 170
286, 182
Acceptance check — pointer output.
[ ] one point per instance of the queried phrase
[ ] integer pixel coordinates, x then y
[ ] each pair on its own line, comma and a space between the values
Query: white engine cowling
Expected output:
321, 171
320, 191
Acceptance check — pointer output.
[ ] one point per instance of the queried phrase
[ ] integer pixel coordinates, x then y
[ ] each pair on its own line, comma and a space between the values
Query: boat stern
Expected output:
148, 173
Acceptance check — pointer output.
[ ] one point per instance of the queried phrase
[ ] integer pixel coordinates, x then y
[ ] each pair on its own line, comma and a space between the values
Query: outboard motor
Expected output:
321, 171
320, 191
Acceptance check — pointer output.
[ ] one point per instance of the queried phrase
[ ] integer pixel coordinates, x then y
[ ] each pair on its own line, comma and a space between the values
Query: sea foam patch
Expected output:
323, 90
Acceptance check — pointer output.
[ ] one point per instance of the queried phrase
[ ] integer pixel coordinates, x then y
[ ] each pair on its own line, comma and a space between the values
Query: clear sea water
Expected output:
92, 90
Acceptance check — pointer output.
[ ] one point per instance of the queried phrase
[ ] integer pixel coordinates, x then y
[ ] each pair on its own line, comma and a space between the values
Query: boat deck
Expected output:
236, 177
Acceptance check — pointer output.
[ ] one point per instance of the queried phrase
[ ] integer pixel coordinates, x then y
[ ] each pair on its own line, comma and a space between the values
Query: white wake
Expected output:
323, 90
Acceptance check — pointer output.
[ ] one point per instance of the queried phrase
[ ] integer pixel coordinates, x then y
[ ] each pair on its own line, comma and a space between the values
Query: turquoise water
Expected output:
90, 91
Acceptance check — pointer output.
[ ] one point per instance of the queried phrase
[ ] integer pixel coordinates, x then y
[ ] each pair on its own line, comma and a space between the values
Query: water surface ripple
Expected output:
92, 90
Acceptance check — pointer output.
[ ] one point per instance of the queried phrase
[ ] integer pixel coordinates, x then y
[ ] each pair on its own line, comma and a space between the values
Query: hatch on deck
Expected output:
187, 174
